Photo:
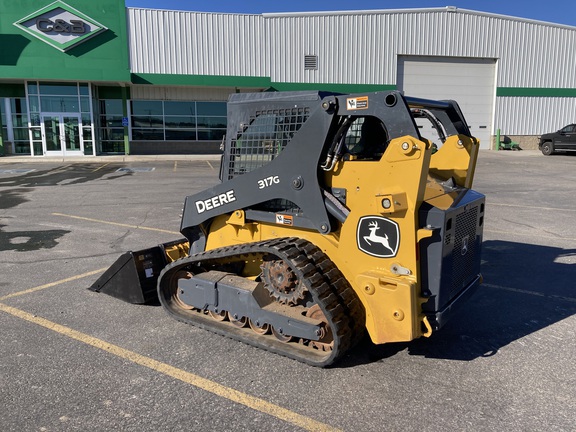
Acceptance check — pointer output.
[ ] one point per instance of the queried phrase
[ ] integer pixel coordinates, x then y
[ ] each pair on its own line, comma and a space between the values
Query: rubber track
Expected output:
322, 279
341, 287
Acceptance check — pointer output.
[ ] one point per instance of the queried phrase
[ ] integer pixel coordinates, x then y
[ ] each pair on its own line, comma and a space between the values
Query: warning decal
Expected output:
284, 219
357, 103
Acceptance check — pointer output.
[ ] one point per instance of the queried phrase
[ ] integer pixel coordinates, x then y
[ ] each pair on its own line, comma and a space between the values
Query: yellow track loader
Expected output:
334, 217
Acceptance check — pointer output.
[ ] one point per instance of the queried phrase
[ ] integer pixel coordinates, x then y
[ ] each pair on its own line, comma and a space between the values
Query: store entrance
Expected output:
61, 135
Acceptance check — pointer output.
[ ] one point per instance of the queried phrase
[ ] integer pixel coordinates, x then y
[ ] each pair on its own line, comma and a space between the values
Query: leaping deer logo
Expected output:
383, 239
373, 237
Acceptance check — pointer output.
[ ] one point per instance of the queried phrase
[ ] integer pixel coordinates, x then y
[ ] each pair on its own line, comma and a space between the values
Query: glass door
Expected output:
61, 135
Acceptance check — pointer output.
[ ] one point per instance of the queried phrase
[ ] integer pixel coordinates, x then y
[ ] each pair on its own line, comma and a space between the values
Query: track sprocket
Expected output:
282, 282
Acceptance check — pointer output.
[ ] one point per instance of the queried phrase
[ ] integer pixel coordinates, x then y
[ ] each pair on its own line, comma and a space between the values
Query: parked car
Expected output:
562, 140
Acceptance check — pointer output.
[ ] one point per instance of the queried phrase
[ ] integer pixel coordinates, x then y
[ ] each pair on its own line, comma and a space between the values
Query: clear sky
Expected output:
555, 11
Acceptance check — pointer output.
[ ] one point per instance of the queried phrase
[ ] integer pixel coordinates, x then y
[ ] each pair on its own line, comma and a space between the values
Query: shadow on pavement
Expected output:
20, 185
12, 198
25, 241
526, 289
65, 175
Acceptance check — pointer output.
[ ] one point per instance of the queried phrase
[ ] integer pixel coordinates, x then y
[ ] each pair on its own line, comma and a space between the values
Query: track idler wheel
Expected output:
279, 334
258, 327
237, 321
218, 316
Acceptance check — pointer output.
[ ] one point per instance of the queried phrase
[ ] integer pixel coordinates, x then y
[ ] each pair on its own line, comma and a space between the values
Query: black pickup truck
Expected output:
562, 140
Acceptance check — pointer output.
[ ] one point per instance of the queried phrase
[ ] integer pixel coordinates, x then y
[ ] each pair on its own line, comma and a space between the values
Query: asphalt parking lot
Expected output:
72, 359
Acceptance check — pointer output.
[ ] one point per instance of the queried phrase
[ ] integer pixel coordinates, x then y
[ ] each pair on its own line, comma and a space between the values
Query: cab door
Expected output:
566, 139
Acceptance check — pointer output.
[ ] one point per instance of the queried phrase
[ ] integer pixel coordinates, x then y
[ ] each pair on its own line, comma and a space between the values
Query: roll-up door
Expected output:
469, 81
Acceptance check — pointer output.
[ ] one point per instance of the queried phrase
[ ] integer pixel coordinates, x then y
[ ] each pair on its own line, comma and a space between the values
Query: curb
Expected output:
109, 159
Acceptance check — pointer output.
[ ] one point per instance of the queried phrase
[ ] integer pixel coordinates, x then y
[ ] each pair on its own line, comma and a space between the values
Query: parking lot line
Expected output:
116, 223
101, 166
51, 284
220, 390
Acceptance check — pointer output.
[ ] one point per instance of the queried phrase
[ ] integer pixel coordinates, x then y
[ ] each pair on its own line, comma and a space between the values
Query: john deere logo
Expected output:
60, 26
378, 236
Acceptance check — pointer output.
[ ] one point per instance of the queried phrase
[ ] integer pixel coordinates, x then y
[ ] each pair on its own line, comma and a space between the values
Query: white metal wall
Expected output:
190, 43
533, 115
361, 47
352, 47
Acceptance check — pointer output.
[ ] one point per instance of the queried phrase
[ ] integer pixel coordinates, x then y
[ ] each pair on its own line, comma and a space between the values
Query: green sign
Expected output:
60, 26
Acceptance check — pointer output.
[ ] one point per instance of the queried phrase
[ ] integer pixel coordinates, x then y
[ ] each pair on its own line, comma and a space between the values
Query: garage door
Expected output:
469, 81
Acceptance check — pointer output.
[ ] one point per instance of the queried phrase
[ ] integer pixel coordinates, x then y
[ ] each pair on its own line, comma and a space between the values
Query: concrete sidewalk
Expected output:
108, 159
191, 157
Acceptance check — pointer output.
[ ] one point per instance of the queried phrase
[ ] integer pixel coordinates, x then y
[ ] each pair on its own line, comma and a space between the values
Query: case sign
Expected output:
60, 26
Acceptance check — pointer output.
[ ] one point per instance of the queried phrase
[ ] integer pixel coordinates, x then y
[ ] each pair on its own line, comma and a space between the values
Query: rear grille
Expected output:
450, 261
464, 254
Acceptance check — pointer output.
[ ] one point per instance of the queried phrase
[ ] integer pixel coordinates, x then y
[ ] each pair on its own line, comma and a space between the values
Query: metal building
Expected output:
82, 78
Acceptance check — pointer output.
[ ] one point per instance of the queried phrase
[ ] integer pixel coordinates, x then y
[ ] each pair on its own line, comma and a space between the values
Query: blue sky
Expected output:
556, 11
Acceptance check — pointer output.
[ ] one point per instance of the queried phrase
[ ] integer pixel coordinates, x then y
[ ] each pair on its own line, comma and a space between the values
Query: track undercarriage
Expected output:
283, 295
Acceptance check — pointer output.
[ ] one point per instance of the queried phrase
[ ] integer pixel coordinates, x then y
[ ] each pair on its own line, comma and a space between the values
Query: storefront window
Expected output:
212, 109
59, 104
34, 103
111, 129
213, 134
178, 120
32, 88
21, 134
70, 89
180, 135
87, 134
147, 108
85, 104
148, 134
37, 148
188, 122
212, 122
19, 113
147, 121
4, 124
88, 148
179, 108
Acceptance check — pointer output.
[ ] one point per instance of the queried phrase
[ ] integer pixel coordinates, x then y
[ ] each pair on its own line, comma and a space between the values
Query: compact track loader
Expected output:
334, 217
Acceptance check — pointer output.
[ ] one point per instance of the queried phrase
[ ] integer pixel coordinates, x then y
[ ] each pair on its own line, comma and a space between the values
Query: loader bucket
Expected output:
133, 276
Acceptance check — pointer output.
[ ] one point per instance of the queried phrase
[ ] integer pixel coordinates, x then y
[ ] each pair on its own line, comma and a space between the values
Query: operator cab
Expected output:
365, 139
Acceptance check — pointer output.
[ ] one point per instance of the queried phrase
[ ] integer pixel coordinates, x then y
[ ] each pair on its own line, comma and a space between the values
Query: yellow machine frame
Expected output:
395, 187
